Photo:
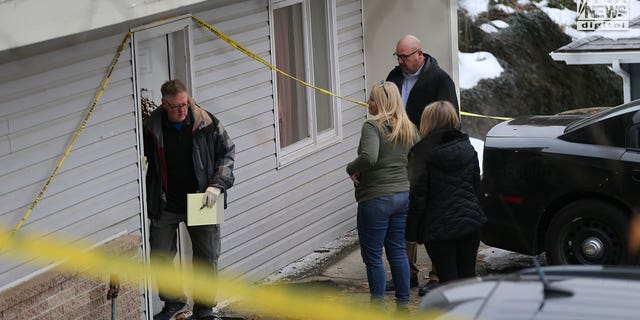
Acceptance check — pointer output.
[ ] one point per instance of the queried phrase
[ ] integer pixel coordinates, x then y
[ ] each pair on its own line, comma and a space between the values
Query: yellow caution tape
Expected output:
256, 57
75, 136
465, 113
272, 301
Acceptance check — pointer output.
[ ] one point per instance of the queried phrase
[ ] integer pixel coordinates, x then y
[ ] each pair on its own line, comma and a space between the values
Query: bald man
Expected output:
421, 81
419, 78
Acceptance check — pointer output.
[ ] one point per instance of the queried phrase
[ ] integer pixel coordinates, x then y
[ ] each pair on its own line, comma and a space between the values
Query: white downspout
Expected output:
626, 80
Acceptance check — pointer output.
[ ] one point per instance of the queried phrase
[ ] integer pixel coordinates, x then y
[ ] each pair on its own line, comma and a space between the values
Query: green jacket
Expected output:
382, 165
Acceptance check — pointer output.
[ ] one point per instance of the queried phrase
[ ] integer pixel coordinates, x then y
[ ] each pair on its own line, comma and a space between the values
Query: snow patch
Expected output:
499, 24
493, 26
478, 145
488, 28
318, 259
505, 9
476, 66
474, 7
615, 35
562, 17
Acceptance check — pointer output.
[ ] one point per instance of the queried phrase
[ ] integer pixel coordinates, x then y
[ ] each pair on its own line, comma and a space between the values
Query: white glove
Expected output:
210, 196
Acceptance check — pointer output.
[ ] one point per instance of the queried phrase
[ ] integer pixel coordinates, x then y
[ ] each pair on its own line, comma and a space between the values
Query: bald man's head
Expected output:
409, 54
409, 41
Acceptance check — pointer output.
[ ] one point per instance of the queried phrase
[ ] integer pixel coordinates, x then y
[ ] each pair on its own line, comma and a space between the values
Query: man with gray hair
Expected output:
189, 151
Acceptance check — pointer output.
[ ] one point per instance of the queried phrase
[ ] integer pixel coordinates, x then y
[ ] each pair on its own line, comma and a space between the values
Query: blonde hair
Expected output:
438, 115
390, 108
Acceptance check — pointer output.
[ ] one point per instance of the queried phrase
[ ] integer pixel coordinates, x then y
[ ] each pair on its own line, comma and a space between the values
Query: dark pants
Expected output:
456, 258
205, 242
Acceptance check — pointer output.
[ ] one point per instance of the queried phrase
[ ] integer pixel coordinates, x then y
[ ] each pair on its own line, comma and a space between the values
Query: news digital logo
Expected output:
602, 15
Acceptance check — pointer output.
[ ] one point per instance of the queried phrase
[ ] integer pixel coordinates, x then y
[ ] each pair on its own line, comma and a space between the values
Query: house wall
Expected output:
95, 196
275, 215
435, 23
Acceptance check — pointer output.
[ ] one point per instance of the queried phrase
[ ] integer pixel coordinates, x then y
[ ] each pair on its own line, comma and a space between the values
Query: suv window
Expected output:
633, 138
606, 132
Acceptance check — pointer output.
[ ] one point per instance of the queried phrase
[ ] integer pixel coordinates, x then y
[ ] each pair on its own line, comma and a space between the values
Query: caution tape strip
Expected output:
256, 57
75, 136
470, 114
273, 301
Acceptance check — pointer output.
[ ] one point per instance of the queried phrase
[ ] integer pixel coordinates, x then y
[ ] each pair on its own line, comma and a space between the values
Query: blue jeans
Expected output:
381, 223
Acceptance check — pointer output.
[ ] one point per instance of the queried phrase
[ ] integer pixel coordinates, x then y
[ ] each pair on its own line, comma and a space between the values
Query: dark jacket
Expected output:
444, 172
433, 84
213, 156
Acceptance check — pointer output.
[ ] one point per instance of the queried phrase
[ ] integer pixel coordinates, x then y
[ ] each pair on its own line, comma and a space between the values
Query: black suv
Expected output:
563, 184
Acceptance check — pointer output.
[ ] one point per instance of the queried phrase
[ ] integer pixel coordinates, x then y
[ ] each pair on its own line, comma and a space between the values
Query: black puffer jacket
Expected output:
444, 172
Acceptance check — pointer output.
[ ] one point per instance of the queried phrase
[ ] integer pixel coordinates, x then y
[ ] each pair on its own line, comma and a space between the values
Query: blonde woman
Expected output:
379, 174
444, 213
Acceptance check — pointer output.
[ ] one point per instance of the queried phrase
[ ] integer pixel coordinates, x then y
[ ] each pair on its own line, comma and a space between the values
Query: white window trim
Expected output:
317, 141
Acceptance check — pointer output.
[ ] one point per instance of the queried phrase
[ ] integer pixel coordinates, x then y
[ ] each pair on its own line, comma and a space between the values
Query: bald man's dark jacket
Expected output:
433, 84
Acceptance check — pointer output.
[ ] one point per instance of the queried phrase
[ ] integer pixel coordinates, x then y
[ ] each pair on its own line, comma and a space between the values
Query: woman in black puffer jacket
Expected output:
444, 213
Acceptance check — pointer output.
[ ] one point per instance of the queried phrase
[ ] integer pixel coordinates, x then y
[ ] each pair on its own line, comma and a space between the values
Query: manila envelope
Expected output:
198, 215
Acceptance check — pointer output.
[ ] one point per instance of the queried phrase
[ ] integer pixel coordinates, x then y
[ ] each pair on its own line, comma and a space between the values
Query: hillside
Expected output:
532, 82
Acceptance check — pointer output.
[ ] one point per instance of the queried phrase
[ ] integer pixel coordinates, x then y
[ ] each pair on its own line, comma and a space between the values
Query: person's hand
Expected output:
355, 178
210, 196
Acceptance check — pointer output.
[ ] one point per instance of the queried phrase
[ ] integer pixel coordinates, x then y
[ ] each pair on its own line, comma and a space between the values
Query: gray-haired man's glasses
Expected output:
176, 106
404, 57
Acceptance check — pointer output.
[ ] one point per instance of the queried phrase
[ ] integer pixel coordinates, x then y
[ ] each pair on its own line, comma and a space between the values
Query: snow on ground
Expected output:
615, 35
505, 9
488, 28
494, 26
474, 7
483, 65
499, 24
315, 261
478, 145
565, 18
476, 66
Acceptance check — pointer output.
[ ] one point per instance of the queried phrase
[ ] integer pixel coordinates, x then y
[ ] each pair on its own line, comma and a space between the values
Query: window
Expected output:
303, 47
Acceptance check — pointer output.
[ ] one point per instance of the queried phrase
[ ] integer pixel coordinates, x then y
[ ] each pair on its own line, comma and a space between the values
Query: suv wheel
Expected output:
587, 232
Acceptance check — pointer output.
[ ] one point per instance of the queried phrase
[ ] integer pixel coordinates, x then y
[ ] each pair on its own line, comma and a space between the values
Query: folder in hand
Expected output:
198, 215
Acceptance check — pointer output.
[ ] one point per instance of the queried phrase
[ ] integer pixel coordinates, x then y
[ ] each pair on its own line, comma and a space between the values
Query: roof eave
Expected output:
602, 57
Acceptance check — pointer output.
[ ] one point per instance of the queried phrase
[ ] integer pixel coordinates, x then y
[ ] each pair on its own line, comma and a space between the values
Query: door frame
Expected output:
139, 34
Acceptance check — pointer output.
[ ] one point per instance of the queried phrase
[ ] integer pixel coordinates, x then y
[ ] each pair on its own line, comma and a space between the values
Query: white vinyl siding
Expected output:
95, 195
276, 216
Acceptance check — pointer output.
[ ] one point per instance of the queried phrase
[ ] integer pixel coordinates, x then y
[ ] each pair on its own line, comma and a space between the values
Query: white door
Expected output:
161, 53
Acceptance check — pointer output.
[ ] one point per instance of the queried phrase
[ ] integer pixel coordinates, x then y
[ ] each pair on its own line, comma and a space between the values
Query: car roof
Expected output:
573, 292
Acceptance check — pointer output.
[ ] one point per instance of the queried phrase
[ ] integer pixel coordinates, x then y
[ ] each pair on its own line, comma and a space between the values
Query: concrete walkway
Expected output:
338, 266
349, 276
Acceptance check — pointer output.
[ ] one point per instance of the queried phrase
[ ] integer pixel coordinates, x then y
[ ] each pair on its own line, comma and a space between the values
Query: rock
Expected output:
532, 82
